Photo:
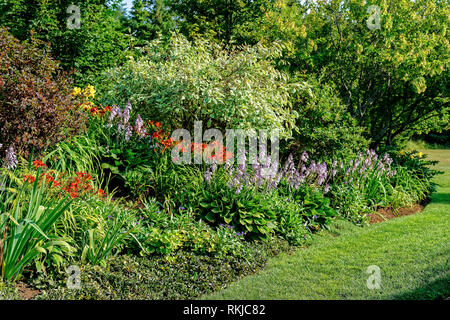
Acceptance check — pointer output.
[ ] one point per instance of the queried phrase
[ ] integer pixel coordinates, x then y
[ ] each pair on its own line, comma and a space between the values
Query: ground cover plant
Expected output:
96, 189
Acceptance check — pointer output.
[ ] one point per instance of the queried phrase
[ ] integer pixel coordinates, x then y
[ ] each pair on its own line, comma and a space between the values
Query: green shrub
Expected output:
257, 206
109, 231
36, 108
291, 224
247, 209
350, 202
163, 231
324, 127
413, 182
364, 183
177, 82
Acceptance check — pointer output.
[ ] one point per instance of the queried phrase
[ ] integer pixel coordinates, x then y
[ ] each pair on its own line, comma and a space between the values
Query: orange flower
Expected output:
29, 178
49, 178
155, 135
38, 163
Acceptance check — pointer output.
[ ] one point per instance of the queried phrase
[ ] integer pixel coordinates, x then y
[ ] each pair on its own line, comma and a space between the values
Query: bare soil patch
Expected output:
383, 214
26, 292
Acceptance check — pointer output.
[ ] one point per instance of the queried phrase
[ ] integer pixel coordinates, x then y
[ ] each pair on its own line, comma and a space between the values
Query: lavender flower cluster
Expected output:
359, 168
240, 176
123, 126
318, 174
10, 162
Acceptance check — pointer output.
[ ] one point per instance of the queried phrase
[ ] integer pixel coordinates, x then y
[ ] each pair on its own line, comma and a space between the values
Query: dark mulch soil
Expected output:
25, 291
383, 214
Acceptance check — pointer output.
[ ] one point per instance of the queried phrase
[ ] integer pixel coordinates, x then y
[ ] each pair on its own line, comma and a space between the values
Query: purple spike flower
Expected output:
126, 113
115, 112
10, 159
139, 126
208, 176
305, 156
128, 133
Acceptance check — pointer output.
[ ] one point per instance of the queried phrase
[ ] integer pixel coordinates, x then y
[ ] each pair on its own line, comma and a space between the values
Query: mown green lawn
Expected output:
412, 253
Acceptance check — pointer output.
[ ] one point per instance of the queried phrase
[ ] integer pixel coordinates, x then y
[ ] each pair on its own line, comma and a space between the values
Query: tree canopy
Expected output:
388, 60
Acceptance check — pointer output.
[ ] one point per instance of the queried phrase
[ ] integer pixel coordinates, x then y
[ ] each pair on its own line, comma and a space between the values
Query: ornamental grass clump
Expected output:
28, 216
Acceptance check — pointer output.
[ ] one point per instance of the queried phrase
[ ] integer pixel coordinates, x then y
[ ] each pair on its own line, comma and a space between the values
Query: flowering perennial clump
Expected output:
315, 174
74, 186
217, 153
10, 159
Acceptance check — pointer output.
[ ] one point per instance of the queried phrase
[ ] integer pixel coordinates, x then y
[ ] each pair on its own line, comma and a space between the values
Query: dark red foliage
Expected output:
36, 107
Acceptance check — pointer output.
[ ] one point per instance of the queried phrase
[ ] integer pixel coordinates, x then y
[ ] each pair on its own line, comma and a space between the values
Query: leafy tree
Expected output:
324, 128
150, 17
100, 42
219, 19
278, 20
394, 79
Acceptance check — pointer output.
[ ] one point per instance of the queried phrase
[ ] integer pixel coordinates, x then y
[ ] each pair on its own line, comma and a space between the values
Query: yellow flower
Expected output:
76, 91
89, 91
420, 154
411, 156
402, 152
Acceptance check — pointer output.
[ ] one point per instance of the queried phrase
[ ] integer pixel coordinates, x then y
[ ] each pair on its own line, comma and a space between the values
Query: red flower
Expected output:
80, 174
29, 178
49, 178
38, 163
156, 135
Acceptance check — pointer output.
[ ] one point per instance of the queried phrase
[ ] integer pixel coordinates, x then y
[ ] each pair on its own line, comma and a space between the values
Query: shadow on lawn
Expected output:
441, 198
436, 290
